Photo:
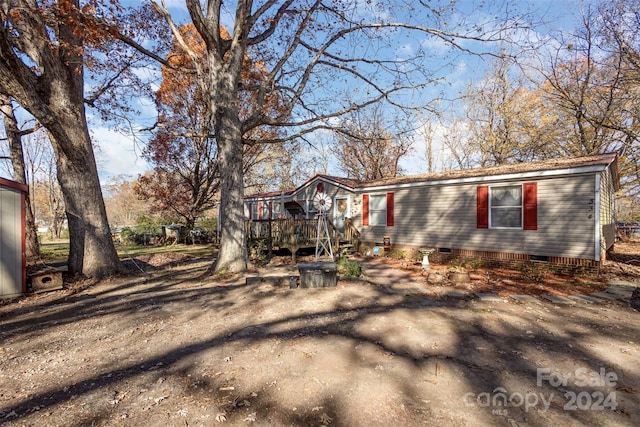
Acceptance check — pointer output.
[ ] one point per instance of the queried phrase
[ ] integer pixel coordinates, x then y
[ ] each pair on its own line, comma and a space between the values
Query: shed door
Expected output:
11, 232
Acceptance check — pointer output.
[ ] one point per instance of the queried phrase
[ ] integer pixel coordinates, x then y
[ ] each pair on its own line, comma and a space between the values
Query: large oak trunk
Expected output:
53, 92
233, 243
91, 249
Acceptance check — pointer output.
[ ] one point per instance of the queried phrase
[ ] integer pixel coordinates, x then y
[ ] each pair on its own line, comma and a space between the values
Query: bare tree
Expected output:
14, 138
313, 54
508, 123
584, 82
428, 136
124, 207
617, 27
365, 148
592, 80
49, 197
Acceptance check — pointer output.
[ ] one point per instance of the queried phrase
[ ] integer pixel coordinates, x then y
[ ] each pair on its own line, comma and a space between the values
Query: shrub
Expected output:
475, 264
349, 268
530, 271
458, 265
257, 252
128, 236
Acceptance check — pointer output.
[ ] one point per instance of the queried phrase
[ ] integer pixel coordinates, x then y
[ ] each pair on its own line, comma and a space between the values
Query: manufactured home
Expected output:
13, 264
559, 211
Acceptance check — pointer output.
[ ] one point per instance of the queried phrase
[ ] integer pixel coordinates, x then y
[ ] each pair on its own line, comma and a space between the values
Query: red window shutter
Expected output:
250, 206
482, 213
365, 209
530, 204
259, 210
270, 210
390, 209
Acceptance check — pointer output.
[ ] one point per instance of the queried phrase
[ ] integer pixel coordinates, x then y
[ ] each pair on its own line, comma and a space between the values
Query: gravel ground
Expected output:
176, 348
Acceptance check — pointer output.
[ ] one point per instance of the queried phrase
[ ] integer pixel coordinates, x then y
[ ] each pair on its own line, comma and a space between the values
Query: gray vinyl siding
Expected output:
607, 207
11, 274
309, 190
444, 216
305, 195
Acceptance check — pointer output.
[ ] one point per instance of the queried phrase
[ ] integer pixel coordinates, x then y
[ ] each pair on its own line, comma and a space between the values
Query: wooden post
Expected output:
270, 239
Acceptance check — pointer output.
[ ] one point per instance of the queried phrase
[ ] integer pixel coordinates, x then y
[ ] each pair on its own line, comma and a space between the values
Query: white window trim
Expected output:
491, 226
384, 197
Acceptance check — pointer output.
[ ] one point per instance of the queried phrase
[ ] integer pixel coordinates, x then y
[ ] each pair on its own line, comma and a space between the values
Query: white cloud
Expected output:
117, 154
405, 51
435, 46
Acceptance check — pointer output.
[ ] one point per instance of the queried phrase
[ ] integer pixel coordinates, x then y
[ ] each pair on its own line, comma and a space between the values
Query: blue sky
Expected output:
118, 153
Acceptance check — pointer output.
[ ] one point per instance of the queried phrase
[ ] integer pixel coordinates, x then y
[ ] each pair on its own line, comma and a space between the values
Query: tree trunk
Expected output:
232, 256
53, 92
17, 161
91, 249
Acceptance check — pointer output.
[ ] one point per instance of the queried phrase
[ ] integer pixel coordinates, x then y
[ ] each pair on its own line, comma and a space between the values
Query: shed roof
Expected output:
13, 184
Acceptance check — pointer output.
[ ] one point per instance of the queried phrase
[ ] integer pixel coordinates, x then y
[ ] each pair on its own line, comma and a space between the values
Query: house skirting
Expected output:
560, 265
563, 265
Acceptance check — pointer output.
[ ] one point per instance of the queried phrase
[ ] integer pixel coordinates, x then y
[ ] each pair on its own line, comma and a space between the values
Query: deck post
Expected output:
270, 238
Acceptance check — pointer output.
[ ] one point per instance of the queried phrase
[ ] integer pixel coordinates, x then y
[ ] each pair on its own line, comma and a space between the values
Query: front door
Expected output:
340, 211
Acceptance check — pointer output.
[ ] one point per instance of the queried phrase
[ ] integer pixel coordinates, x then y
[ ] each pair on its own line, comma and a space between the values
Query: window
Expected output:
377, 209
508, 206
505, 207
260, 210
312, 212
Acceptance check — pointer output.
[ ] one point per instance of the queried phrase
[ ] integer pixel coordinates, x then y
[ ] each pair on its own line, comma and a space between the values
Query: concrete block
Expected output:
558, 299
525, 298
585, 298
488, 297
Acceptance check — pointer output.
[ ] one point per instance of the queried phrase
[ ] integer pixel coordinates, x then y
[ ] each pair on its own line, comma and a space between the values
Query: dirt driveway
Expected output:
171, 349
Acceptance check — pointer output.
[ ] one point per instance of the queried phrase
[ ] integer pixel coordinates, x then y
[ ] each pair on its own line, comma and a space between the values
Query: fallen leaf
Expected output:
221, 417
325, 419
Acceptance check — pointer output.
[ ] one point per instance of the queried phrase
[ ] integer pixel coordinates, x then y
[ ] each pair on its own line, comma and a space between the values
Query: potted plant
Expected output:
458, 272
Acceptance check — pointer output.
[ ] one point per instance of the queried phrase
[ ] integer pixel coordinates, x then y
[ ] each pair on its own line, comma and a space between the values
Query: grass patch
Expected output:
55, 251
59, 251
195, 250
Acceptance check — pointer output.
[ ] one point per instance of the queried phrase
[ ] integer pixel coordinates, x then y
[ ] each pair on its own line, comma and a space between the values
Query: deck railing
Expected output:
292, 233
351, 234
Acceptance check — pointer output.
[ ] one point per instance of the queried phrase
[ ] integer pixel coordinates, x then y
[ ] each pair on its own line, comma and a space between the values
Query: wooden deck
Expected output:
294, 234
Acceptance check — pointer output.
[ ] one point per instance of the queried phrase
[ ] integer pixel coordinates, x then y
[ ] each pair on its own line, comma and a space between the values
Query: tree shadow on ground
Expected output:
354, 355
